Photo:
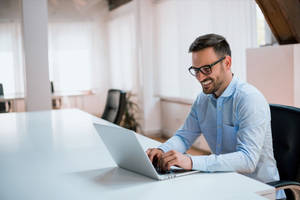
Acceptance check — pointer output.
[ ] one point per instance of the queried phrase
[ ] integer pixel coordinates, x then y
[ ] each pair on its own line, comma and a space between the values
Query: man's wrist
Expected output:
160, 149
191, 160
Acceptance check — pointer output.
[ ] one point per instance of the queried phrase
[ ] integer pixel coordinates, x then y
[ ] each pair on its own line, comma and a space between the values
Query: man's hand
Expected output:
174, 158
154, 154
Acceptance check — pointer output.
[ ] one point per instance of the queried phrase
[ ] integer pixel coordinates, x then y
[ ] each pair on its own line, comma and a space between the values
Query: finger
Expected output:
155, 153
151, 156
170, 160
169, 153
165, 165
164, 161
160, 163
171, 163
148, 151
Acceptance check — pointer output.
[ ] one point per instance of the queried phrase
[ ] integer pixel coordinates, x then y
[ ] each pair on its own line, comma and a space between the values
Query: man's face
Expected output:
214, 83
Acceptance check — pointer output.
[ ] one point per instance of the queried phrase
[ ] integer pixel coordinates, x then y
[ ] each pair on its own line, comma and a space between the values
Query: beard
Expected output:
212, 87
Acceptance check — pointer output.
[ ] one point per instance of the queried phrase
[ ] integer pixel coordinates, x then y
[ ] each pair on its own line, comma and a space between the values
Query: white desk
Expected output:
58, 155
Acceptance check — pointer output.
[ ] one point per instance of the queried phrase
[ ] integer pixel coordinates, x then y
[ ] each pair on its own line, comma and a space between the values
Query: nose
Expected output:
200, 76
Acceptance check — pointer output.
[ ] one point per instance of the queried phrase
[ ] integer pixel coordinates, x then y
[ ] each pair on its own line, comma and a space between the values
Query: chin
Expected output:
207, 91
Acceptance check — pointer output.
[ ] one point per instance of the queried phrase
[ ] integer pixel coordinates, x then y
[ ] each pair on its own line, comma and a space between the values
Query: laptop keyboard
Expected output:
171, 171
161, 172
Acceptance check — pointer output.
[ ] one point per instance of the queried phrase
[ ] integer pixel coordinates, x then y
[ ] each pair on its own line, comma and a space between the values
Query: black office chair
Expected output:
3, 108
285, 123
115, 106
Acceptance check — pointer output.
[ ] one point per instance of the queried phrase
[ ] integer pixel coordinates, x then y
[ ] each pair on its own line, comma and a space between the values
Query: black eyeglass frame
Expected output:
200, 69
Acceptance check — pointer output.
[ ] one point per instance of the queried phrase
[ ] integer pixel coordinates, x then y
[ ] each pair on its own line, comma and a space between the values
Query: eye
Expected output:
205, 70
196, 70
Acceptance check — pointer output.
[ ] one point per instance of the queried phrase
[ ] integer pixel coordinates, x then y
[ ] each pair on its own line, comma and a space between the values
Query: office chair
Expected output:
52, 87
56, 104
115, 106
3, 108
285, 124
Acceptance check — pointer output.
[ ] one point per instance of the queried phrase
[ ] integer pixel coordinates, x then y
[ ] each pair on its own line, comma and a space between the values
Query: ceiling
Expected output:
283, 17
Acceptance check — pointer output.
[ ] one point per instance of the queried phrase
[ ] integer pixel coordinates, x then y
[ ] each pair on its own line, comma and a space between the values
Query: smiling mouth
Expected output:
206, 83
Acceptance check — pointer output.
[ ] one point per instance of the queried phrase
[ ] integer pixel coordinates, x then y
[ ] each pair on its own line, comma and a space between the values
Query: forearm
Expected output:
174, 143
237, 161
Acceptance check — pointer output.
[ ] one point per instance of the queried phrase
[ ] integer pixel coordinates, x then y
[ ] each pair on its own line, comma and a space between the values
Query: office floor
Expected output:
192, 151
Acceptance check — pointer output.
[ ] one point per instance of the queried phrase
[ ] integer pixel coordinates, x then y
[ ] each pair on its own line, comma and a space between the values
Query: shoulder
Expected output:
246, 92
248, 99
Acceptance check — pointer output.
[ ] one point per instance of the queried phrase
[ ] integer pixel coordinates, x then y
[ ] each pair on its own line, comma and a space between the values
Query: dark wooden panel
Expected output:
113, 4
283, 17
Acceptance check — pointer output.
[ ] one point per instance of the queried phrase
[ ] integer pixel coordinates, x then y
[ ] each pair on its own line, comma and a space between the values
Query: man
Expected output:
233, 116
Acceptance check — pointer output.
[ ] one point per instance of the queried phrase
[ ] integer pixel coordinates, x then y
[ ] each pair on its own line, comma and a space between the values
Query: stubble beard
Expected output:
214, 86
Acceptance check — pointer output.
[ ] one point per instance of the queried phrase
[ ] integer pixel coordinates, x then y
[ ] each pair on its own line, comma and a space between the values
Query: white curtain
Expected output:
11, 49
122, 48
70, 56
77, 45
178, 23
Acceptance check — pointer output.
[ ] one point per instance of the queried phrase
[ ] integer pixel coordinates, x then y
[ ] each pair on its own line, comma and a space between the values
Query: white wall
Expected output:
275, 72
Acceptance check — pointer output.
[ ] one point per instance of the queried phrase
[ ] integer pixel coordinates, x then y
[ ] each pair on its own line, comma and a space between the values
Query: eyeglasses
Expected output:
206, 69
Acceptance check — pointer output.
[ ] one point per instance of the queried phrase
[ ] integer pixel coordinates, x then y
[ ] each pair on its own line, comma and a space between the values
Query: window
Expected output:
260, 23
122, 48
77, 43
70, 56
11, 57
178, 23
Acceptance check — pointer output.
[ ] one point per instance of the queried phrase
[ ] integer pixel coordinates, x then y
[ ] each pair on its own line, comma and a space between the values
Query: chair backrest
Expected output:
1, 89
52, 87
2, 104
115, 106
285, 123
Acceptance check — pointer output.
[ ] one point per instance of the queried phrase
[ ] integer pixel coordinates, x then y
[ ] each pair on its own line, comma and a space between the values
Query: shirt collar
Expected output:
229, 90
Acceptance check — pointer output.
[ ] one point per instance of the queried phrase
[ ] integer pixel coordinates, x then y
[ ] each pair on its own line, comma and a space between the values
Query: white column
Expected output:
35, 30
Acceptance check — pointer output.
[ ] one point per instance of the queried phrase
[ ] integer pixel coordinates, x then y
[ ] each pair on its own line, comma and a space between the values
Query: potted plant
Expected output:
129, 119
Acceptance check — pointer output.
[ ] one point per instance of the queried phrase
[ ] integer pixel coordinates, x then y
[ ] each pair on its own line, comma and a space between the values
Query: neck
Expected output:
223, 87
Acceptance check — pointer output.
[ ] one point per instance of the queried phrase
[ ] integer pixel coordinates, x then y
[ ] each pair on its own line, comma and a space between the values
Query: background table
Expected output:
57, 98
59, 155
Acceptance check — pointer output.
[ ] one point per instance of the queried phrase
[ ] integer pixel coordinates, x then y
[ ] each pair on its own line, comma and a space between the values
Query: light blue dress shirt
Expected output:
237, 128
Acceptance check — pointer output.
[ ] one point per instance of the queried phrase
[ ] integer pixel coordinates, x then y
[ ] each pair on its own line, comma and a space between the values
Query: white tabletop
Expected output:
59, 155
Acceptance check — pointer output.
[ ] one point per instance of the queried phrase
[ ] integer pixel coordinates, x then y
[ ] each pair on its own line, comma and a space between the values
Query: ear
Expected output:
227, 62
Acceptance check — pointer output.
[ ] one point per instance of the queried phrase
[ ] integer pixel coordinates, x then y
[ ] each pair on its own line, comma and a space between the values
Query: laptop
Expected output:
128, 153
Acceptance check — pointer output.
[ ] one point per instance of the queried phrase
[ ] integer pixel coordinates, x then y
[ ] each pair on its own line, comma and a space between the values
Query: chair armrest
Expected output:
291, 185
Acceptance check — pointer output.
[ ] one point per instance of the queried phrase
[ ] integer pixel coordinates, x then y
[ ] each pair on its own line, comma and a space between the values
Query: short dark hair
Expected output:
218, 42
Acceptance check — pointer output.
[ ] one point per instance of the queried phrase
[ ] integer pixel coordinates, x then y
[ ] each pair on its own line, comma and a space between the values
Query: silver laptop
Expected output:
127, 152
